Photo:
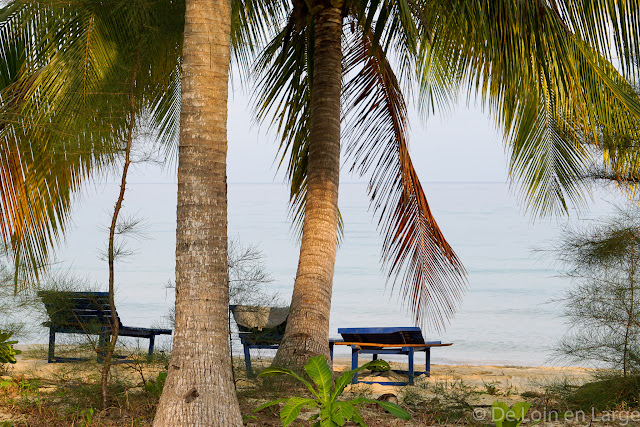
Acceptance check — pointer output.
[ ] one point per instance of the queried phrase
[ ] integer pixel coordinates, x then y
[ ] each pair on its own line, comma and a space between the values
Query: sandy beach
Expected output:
487, 382
460, 390
509, 380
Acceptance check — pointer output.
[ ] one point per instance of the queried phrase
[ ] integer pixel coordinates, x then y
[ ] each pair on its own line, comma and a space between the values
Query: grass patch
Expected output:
608, 394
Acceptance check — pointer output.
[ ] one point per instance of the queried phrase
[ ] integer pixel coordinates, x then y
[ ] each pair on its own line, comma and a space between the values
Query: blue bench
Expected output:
87, 313
403, 340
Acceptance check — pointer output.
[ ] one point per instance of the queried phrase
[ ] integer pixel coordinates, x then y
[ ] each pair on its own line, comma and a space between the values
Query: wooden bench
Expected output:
259, 327
375, 341
87, 313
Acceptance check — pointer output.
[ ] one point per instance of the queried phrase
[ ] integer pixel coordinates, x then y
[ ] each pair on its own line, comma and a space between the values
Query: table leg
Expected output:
354, 362
411, 353
52, 344
247, 360
331, 343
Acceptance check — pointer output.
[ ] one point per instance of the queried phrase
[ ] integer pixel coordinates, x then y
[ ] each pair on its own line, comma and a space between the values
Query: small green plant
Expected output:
325, 394
503, 416
87, 414
411, 395
7, 352
155, 387
491, 388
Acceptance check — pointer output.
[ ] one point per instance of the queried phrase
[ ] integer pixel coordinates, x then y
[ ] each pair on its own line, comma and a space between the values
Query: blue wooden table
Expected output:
390, 340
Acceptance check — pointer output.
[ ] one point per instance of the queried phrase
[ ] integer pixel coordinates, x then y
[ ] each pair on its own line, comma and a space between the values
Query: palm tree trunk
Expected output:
307, 331
199, 388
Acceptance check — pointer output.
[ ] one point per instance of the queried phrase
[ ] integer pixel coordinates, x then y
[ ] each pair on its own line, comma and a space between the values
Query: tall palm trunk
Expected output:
307, 330
199, 388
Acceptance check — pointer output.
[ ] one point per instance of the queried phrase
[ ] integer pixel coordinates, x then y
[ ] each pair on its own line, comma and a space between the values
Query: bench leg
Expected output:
152, 341
247, 360
102, 347
354, 362
52, 345
411, 353
427, 367
331, 352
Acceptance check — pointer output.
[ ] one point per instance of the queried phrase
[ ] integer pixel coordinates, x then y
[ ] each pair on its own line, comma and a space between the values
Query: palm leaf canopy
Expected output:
65, 77
63, 105
375, 110
553, 94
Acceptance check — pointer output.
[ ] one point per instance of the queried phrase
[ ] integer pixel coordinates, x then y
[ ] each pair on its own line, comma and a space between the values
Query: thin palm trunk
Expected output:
307, 330
199, 389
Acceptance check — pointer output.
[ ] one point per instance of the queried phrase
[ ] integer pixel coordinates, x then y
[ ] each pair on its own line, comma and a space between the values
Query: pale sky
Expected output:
463, 147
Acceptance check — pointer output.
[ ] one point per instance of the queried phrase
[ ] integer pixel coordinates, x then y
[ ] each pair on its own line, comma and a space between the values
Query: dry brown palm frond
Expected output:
415, 251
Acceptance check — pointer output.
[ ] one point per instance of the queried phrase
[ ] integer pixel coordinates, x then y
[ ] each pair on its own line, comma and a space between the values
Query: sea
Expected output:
509, 315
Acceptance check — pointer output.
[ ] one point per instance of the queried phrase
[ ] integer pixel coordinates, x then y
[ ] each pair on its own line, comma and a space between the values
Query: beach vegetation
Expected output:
491, 388
7, 352
155, 386
438, 401
607, 394
504, 416
602, 308
325, 393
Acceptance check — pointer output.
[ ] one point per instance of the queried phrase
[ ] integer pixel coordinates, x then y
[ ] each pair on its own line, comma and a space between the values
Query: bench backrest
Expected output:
260, 325
87, 311
401, 335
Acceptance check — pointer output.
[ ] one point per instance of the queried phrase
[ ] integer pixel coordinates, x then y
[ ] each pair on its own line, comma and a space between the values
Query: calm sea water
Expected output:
506, 316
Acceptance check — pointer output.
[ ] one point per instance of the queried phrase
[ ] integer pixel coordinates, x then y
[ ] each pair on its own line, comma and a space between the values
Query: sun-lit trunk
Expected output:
199, 389
307, 330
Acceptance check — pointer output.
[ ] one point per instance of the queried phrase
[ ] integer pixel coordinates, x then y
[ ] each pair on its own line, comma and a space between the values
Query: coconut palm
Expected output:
77, 56
73, 120
550, 91
291, 85
199, 388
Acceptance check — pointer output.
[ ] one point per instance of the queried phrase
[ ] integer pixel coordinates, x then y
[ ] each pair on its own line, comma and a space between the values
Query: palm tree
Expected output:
549, 90
199, 389
77, 55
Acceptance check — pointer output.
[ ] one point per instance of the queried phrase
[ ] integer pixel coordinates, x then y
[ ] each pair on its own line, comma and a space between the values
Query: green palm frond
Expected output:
254, 24
64, 108
611, 26
431, 276
548, 90
165, 116
283, 73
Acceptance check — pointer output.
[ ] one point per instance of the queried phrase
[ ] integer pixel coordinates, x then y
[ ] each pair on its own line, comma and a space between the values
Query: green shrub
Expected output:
607, 394
155, 387
7, 352
325, 395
